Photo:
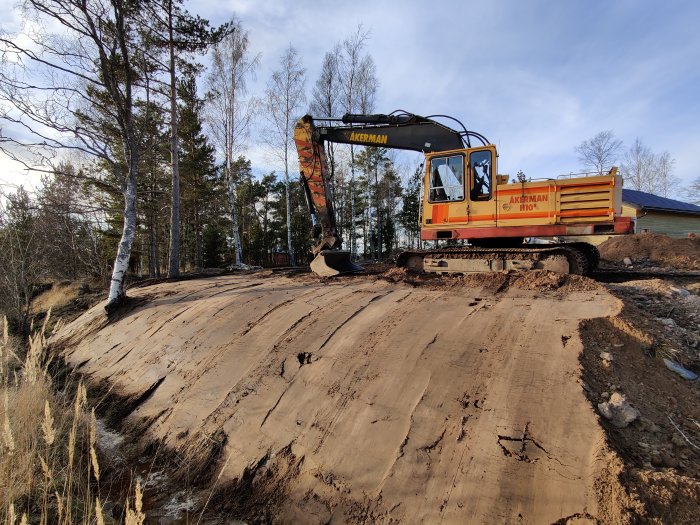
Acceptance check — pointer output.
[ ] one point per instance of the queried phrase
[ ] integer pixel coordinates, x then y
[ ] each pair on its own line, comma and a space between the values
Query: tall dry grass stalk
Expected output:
93, 451
35, 366
7, 438
49, 468
135, 516
99, 516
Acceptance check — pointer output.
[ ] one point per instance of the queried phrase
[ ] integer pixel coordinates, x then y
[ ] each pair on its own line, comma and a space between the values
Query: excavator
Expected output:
463, 199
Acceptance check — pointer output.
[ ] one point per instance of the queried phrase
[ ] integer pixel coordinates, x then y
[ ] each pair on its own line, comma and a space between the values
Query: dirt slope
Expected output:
365, 400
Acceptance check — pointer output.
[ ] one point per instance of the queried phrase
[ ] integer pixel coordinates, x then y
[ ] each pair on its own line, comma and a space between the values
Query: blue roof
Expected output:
654, 202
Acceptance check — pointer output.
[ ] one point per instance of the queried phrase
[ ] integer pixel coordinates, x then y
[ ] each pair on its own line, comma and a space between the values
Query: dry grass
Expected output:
49, 468
60, 294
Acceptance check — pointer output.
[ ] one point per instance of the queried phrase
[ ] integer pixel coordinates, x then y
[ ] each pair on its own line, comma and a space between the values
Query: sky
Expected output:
535, 77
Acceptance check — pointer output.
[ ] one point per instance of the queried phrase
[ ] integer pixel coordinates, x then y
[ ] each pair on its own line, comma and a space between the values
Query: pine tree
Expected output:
409, 216
269, 185
174, 32
153, 188
20, 256
68, 224
197, 173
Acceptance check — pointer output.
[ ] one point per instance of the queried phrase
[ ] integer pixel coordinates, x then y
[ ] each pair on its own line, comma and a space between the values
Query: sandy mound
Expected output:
361, 400
658, 249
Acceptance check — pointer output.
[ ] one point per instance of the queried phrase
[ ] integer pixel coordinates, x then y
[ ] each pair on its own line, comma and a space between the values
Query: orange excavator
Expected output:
465, 199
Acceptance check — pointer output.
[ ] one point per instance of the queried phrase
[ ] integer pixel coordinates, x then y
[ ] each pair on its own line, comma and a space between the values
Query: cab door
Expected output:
481, 174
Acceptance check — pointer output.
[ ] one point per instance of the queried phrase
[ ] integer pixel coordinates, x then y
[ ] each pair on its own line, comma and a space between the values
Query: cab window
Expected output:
447, 179
480, 175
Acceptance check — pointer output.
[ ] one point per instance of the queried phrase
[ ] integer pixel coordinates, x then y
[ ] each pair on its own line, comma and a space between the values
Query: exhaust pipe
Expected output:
329, 263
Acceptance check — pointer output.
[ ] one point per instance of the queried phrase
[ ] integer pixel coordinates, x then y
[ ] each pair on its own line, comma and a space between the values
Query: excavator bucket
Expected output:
329, 263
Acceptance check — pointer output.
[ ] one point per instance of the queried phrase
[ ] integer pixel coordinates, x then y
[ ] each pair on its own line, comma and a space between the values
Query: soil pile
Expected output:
361, 400
653, 248
623, 355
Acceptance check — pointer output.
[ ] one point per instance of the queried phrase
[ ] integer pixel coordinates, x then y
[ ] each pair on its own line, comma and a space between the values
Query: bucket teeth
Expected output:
329, 263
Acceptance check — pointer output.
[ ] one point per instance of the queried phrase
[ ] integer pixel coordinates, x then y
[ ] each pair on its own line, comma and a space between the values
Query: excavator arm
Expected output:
329, 258
396, 131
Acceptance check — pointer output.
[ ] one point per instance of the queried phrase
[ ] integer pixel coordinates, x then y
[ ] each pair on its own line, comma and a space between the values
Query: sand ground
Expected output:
363, 400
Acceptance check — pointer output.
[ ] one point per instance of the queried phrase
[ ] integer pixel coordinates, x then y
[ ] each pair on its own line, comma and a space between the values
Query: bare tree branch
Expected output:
600, 152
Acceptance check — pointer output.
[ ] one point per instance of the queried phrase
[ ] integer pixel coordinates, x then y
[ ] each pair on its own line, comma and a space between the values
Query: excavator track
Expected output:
575, 258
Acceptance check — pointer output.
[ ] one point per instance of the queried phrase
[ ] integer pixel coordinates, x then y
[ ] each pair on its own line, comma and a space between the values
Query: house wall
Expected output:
671, 224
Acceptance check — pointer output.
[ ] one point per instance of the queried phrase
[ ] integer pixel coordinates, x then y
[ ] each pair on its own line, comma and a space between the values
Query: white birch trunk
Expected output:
237, 246
229, 130
121, 262
290, 248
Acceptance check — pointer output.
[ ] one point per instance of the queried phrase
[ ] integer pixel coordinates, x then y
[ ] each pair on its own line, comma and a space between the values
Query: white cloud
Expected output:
13, 174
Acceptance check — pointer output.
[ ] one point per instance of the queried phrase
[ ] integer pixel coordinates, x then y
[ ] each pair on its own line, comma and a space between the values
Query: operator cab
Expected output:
448, 175
461, 186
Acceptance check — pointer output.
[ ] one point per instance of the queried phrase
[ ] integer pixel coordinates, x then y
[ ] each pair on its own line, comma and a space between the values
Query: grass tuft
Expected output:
49, 468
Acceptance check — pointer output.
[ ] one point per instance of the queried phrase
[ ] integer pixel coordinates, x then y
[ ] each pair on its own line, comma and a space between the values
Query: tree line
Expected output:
142, 149
108, 108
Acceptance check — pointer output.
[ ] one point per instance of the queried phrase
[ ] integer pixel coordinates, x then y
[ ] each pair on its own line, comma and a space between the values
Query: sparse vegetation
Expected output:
49, 462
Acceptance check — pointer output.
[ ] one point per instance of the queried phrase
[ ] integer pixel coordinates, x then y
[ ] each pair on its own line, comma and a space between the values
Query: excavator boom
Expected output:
408, 132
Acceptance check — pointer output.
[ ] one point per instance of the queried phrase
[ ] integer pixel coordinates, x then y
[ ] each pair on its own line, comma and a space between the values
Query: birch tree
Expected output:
284, 98
350, 66
74, 90
229, 112
366, 92
644, 170
325, 98
600, 152
692, 191
667, 183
